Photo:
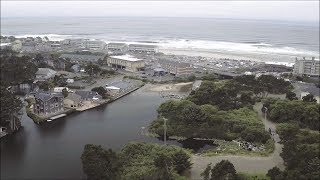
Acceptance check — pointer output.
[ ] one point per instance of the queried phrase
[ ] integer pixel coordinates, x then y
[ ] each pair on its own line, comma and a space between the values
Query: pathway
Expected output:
248, 164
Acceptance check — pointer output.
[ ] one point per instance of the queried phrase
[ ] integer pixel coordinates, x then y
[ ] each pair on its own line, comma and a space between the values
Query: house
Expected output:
72, 101
45, 73
70, 81
75, 67
60, 89
89, 95
120, 86
48, 103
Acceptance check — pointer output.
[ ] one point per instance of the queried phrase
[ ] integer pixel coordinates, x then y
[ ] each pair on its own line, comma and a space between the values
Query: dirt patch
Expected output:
180, 87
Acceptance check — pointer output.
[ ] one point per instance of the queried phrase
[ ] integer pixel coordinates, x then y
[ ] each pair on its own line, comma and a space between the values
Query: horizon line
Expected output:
195, 17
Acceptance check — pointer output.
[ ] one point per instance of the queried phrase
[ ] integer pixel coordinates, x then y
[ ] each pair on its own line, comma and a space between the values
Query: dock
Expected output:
56, 117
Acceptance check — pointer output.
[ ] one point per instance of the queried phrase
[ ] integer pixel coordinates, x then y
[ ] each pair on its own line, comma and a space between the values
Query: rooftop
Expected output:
80, 57
126, 57
47, 96
142, 45
45, 71
117, 44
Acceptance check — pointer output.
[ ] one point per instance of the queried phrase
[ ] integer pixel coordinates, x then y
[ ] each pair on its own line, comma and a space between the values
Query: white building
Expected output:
307, 67
143, 48
126, 62
95, 45
118, 47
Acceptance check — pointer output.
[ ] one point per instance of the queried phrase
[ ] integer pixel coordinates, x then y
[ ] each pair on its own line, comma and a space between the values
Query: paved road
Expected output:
244, 163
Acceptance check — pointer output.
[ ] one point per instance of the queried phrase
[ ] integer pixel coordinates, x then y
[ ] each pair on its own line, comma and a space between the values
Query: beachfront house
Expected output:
72, 101
45, 73
89, 96
48, 103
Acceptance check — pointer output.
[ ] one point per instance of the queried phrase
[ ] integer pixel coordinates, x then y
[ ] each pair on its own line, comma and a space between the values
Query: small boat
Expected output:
49, 120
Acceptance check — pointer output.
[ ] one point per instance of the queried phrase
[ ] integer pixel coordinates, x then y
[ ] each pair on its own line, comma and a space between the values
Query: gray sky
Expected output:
273, 10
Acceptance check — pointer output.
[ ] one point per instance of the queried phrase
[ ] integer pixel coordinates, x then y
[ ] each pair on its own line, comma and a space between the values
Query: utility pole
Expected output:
265, 113
165, 130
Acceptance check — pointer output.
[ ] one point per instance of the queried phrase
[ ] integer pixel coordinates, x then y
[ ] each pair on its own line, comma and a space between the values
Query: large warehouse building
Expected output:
126, 62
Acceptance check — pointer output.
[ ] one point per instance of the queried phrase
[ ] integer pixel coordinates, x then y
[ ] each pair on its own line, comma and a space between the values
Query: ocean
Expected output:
268, 41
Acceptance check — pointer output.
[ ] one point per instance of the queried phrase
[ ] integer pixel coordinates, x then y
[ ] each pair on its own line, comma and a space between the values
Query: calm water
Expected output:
53, 150
196, 34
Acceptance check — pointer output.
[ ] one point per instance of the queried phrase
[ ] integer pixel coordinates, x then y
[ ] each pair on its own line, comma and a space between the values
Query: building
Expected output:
95, 45
72, 101
48, 103
176, 68
45, 73
89, 95
118, 47
307, 67
126, 62
78, 58
75, 67
143, 48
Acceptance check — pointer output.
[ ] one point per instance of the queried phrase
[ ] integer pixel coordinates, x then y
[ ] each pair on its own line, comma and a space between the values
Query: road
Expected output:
248, 164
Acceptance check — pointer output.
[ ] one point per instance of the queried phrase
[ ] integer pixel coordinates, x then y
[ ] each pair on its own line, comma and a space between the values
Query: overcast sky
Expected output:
272, 10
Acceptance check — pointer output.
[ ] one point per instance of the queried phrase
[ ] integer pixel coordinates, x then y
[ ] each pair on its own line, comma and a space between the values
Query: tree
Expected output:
223, 170
99, 163
309, 98
291, 96
101, 91
15, 69
65, 92
206, 173
92, 69
273, 173
181, 161
10, 106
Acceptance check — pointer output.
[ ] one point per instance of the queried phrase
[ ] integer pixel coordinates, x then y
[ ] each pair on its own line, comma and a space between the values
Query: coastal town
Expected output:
75, 75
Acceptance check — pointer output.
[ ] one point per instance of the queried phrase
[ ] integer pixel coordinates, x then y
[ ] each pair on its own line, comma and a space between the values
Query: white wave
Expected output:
258, 48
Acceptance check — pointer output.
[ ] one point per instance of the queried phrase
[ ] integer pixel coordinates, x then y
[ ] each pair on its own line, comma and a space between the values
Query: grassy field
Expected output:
246, 176
232, 148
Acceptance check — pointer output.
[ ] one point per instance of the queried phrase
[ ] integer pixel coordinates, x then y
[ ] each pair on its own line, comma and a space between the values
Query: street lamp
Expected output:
165, 130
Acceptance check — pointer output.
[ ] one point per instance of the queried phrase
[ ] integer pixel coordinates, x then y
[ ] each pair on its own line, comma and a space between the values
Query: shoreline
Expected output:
257, 51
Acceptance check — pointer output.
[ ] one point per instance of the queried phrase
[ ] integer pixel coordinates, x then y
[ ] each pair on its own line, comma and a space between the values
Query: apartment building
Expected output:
307, 67
176, 68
